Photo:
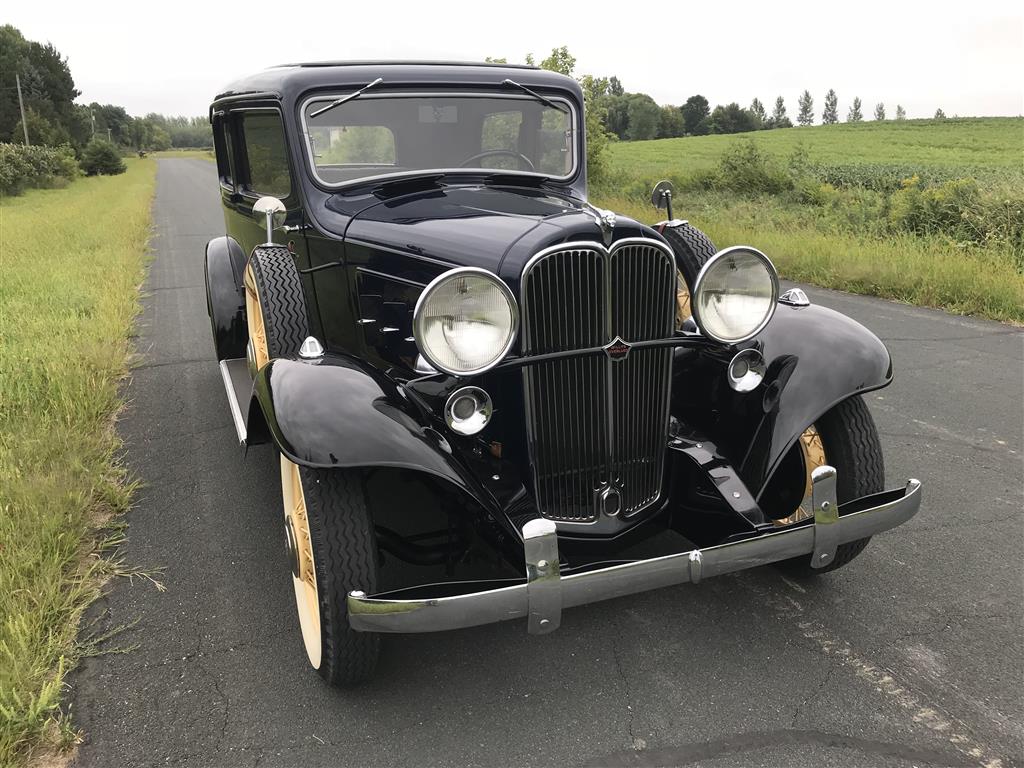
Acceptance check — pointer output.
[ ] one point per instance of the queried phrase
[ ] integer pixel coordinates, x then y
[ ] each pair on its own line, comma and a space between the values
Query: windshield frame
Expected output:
329, 96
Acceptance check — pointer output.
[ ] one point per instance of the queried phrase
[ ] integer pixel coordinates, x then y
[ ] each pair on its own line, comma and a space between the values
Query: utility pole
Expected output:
21, 104
92, 117
108, 136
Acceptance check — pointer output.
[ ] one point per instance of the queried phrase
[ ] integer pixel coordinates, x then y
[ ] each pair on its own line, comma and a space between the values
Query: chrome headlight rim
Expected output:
419, 332
698, 285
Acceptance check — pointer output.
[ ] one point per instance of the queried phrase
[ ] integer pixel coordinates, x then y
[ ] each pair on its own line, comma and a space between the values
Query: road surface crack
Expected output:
635, 743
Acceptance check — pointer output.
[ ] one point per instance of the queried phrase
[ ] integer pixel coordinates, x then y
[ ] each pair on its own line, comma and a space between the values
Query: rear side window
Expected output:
222, 144
267, 155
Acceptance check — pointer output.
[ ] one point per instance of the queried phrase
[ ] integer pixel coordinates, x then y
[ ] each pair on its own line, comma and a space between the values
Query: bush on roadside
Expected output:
24, 167
101, 158
745, 169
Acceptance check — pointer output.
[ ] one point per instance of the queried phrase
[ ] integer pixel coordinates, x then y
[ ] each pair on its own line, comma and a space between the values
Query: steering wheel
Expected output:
506, 152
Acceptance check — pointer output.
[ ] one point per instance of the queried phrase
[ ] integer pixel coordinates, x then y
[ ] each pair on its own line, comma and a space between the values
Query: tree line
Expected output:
53, 117
630, 116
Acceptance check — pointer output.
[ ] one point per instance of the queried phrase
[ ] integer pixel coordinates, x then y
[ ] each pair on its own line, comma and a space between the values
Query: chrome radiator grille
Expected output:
598, 426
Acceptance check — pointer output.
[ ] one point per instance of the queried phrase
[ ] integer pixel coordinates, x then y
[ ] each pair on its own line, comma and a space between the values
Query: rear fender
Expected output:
339, 412
225, 297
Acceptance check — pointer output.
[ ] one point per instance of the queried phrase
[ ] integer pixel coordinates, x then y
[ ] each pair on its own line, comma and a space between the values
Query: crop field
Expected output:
73, 261
928, 212
962, 146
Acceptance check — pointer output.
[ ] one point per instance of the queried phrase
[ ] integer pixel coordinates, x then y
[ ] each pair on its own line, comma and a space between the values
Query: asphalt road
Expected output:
913, 655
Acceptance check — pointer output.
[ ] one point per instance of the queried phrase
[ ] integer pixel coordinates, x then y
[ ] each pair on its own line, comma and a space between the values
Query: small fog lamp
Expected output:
468, 410
746, 370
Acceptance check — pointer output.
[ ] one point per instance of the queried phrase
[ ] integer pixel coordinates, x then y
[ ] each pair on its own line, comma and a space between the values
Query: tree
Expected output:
758, 111
779, 118
114, 118
46, 83
100, 157
560, 60
695, 115
671, 123
40, 131
644, 117
805, 114
901, 113
831, 114
615, 87
855, 115
879, 111
939, 114
617, 115
731, 118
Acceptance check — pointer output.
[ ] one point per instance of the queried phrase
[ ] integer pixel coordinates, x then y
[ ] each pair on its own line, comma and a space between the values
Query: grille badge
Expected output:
617, 349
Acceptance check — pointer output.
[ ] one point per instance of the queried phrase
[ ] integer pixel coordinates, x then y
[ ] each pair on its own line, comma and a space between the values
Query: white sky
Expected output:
967, 58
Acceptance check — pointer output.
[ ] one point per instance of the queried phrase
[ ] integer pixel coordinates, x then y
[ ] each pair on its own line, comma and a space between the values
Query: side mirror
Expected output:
661, 197
275, 212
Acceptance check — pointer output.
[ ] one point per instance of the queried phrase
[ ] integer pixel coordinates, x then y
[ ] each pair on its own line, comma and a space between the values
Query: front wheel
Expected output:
847, 439
333, 550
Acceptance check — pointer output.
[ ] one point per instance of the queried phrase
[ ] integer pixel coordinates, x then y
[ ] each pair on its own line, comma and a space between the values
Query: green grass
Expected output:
72, 262
988, 144
198, 154
829, 205
926, 271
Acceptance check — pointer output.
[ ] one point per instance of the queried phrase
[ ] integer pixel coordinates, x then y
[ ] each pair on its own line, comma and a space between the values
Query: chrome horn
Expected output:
274, 210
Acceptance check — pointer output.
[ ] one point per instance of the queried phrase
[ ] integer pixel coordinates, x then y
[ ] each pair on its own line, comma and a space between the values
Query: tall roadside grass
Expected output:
71, 264
937, 231
927, 270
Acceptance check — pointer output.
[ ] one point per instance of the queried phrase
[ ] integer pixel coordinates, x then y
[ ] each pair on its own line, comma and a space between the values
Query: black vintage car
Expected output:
493, 400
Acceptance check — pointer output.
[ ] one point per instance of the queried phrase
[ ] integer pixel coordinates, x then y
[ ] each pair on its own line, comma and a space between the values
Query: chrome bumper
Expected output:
546, 592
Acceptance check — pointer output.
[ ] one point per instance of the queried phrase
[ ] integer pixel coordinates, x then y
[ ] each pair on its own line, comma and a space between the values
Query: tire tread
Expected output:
692, 248
282, 299
345, 553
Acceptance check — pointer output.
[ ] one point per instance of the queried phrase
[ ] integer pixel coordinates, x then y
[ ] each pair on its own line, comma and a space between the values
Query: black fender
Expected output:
225, 297
816, 358
337, 411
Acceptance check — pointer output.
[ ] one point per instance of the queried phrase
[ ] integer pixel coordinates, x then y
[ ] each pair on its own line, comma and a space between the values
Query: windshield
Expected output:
380, 135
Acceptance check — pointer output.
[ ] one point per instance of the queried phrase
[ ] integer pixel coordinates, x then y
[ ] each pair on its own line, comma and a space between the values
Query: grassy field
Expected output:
965, 144
72, 263
929, 212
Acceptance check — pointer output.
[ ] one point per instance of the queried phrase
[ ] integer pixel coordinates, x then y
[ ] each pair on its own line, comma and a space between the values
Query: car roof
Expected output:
290, 79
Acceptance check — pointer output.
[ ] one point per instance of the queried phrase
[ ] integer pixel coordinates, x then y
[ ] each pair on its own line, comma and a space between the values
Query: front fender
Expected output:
817, 357
338, 412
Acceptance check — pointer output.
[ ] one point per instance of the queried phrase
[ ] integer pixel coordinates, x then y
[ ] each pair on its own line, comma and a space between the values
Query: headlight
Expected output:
735, 294
465, 321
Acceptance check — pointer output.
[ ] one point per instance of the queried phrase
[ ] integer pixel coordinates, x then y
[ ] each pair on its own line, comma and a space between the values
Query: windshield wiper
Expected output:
537, 96
343, 99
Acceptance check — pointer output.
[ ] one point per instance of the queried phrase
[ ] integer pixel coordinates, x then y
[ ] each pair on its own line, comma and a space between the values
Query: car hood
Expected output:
496, 228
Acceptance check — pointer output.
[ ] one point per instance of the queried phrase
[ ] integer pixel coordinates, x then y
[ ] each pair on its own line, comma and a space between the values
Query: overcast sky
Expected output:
967, 58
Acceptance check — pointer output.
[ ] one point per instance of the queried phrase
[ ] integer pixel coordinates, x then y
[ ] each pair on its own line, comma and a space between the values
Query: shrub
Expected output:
101, 158
749, 171
23, 167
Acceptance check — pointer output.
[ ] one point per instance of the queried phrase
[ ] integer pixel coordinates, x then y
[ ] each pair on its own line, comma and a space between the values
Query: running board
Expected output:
238, 387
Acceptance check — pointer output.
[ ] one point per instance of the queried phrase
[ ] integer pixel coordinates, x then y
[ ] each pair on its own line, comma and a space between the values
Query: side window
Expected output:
222, 145
266, 153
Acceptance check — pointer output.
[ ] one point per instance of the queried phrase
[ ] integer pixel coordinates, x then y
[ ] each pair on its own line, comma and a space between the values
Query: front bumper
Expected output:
545, 592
